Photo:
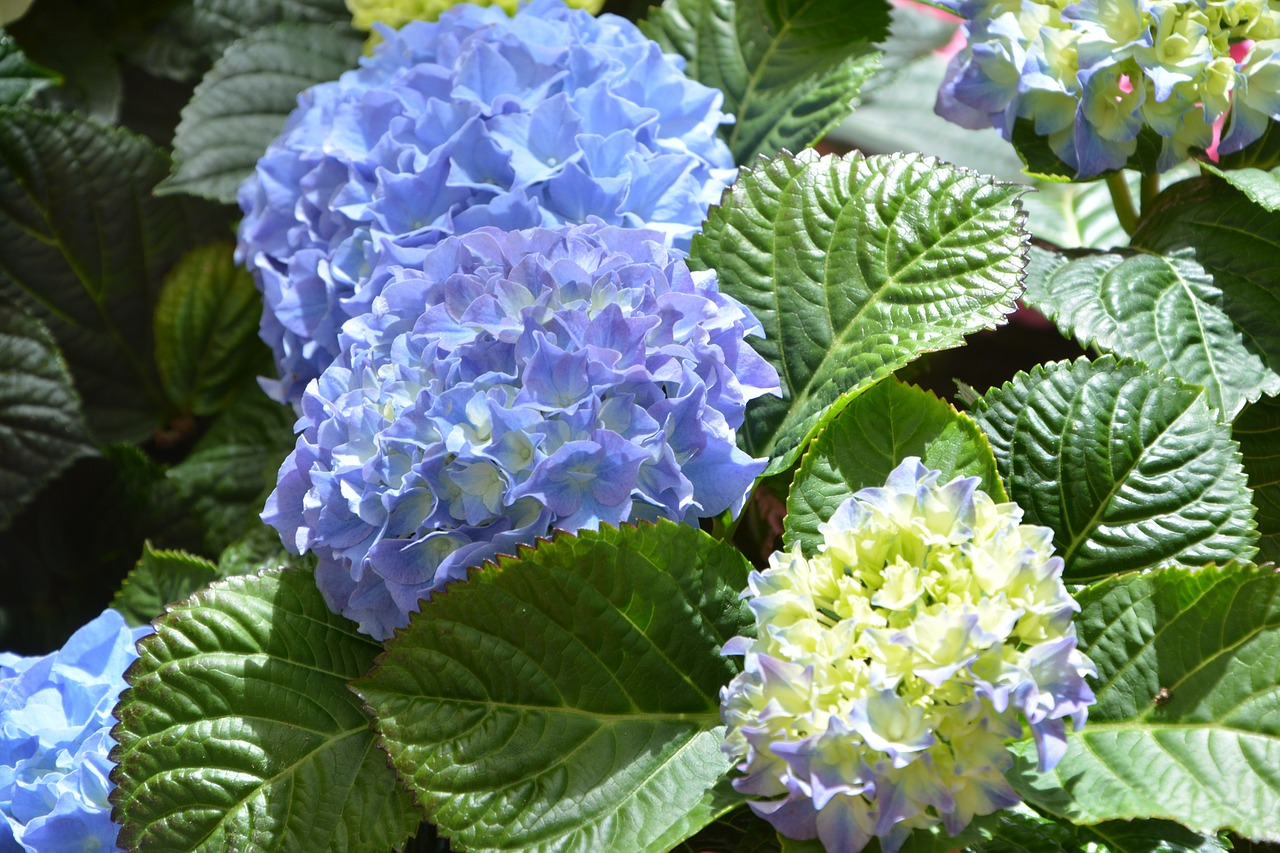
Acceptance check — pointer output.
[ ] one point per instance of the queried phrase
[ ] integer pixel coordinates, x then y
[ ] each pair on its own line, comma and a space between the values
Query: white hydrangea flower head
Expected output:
888, 671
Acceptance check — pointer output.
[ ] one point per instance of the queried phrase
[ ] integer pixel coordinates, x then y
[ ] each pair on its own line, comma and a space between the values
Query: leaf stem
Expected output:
1122, 201
1150, 189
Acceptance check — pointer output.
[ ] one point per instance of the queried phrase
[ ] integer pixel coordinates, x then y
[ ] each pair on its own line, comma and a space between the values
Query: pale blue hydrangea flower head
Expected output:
545, 118
888, 671
505, 384
55, 735
1090, 76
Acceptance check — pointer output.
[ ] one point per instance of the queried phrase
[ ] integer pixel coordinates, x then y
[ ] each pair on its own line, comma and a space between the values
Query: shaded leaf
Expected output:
19, 77
1258, 431
1075, 216
1184, 727
790, 70
241, 104
1167, 312
238, 731
855, 266
568, 699
160, 578
1129, 468
42, 430
878, 429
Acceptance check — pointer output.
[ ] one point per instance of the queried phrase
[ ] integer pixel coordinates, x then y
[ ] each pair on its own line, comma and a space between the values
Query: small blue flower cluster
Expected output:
1091, 75
505, 384
545, 118
55, 734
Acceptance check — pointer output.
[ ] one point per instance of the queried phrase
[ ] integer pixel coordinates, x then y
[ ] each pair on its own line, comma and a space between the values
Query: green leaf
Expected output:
231, 470
882, 426
19, 77
239, 733
1167, 312
241, 104
739, 831
568, 699
1075, 216
1185, 726
790, 70
855, 266
1129, 468
1237, 243
1262, 153
42, 430
1262, 186
1258, 430
1021, 830
206, 330
84, 246
258, 550
160, 578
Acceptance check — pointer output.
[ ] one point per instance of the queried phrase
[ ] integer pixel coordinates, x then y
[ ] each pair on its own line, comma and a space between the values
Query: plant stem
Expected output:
1150, 189
1122, 201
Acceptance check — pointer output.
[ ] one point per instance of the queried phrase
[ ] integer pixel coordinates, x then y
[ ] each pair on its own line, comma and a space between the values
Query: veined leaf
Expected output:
1258, 430
42, 430
568, 699
1129, 468
1167, 312
790, 70
19, 77
239, 733
1021, 830
855, 266
1075, 216
241, 104
84, 246
1262, 186
160, 578
1185, 726
206, 328
882, 426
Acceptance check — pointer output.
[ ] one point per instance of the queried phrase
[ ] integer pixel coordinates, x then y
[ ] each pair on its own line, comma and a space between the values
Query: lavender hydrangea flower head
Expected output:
505, 384
888, 671
546, 118
1091, 75
55, 734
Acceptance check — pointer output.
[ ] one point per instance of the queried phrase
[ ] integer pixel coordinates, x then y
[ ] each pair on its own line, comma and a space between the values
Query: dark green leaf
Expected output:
232, 469
63, 36
1258, 431
239, 733
855, 266
206, 329
1167, 312
85, 247
258, 550
789, 69
1129, 468
882, 426
739, 831
42, 430
242, 103
1185, 725
1023, 831
1041, 162
19, 78
1262, 186
568, 699
160, 578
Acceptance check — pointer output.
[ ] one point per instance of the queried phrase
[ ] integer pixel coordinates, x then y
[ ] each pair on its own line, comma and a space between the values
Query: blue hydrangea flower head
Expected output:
55, 734
888, 671
505, 384
1091, 75
546, 118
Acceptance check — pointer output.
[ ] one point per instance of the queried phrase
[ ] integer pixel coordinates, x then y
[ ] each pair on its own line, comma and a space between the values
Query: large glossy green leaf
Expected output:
1258, 431
206, 329
789, 69
568, 700
19, 77
239, 733
160, 578
84, 246
882, 426
1185, 726
855, 266
1129, 468
42, 430
1262, 186
1167, 312
241, 104
231, 470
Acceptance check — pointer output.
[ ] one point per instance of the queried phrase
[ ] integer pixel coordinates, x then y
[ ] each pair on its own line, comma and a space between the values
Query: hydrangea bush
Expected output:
887, 672
1090, 76
564, 359
545, 118
55, 734
395, 13
506, 384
